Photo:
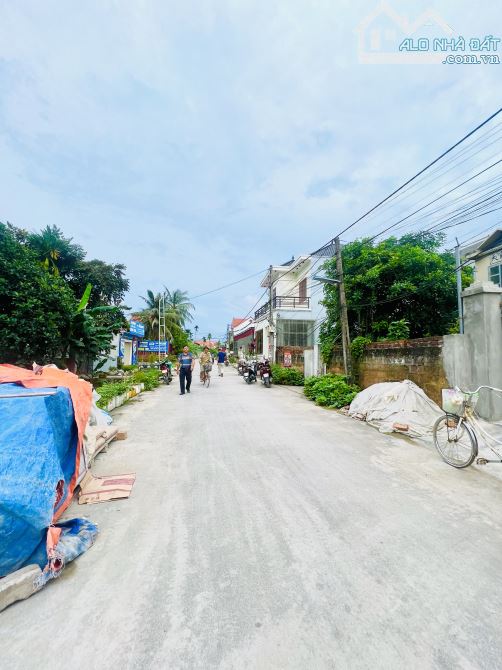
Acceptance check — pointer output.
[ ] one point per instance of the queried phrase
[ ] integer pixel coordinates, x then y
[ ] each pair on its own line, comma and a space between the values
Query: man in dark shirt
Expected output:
221, 361
185, 365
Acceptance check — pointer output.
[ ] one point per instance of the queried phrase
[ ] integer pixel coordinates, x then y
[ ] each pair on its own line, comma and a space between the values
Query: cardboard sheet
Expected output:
101, 489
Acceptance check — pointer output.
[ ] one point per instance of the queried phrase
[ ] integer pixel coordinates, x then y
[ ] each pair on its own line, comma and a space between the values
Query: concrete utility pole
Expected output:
271, 354
458, 271
344, 319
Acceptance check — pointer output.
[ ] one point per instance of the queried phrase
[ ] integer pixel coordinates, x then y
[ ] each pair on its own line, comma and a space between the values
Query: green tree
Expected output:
36, 306
57, 253
396, 280
108, 281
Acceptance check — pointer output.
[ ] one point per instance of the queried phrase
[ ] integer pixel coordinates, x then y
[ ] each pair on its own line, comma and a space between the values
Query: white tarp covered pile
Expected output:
400, 407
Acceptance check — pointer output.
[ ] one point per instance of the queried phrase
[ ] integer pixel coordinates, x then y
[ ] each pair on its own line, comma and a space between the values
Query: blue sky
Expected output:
198, 142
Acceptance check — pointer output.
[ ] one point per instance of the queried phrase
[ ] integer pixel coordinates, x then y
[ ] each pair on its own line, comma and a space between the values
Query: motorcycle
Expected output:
166, 373
266, 374
250, 372
241, 367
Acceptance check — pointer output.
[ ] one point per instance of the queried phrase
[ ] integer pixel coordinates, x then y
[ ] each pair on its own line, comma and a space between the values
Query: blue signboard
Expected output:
154, 346
137, 328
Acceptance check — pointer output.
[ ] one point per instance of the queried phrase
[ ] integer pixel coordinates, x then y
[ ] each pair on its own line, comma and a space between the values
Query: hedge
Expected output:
287, 376
330, 390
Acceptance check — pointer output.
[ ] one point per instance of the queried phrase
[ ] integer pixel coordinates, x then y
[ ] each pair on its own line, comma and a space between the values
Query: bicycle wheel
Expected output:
207, 380
457, 446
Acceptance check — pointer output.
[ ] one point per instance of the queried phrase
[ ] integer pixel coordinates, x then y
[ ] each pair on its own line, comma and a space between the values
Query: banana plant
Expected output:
91, 332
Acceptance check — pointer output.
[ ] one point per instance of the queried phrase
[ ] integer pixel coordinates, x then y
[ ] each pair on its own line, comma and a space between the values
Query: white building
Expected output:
287, 326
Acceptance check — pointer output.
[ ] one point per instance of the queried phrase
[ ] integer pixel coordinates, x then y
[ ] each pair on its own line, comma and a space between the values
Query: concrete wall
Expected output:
475, 358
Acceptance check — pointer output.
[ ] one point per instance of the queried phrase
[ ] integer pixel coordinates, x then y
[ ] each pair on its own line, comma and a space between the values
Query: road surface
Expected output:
266, 533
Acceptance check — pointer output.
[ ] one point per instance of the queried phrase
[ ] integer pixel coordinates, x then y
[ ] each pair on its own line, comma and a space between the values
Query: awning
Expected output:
246, 333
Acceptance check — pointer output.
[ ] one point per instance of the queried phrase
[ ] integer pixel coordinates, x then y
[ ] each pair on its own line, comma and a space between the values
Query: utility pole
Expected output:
344, 319
458, 272
162, 323
271, 334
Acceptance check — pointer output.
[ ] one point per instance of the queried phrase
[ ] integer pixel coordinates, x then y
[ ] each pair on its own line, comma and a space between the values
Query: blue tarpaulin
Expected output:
38, 443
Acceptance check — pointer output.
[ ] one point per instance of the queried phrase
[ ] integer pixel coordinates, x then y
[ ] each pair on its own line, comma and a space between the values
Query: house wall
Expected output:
482, 268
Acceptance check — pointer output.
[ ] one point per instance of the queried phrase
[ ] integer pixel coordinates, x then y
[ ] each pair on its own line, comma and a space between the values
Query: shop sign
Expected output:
287, 359
154, 346
137, 328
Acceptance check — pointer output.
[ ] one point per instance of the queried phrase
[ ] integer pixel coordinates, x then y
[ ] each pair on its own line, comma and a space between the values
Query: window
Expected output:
496, 274
259, 342
293, 333
302, 291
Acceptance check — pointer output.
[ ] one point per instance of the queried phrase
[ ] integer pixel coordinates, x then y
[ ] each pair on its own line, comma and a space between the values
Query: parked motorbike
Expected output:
241, 367
265, 373
250, 372
166, 373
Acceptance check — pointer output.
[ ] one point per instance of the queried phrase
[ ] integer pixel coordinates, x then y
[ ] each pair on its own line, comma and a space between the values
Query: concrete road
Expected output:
264, 532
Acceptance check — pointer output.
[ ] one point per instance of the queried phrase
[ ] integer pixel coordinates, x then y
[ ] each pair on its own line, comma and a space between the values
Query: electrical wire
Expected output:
220, 288
409, 181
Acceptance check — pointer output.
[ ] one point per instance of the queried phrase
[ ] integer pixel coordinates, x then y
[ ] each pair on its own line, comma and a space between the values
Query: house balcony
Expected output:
283, 302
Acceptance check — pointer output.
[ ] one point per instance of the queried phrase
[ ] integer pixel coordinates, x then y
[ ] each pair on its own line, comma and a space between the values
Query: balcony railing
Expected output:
262, 311
283, 302
290, 302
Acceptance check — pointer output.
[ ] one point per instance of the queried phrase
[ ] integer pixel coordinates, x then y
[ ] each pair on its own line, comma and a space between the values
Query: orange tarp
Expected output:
81, 397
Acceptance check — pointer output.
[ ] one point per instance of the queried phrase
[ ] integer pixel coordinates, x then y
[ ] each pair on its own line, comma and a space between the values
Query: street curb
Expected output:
19, 585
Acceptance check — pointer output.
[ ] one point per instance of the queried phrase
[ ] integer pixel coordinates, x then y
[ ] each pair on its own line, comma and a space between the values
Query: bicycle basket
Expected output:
208, 367
454, 401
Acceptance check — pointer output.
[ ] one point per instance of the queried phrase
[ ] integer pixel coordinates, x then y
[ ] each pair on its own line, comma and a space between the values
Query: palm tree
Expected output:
178, 302
58, 254
150, 317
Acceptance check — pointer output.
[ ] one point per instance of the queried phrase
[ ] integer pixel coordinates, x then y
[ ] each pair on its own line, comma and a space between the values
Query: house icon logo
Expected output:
382, 31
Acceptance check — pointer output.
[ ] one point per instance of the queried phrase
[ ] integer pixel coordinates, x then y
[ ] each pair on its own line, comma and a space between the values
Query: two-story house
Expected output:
287, 325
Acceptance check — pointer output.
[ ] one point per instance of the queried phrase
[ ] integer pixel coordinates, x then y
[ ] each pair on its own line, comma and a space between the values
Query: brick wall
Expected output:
420, 360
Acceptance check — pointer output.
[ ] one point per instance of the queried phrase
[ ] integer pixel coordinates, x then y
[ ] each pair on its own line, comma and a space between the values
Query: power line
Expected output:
409, 181
439, 171
435, 200
220, 288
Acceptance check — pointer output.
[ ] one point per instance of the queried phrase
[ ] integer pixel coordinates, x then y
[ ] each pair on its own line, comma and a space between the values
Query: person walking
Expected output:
222, 356
184, 367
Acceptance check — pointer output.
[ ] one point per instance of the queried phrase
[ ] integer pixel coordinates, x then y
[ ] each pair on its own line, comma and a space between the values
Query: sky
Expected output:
200, 141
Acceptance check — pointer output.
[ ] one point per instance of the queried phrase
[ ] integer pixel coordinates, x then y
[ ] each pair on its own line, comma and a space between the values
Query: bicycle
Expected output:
206, 374
457, 434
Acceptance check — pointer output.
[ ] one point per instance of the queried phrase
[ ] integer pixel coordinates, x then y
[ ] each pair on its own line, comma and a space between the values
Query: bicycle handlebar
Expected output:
492, 388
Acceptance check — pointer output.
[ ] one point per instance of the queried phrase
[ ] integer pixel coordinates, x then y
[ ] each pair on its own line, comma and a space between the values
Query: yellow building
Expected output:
488, 259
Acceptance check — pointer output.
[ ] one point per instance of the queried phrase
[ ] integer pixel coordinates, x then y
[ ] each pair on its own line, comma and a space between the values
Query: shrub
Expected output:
109, 391
150, 378
358, 345
287, 376
330, 390
399, 330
